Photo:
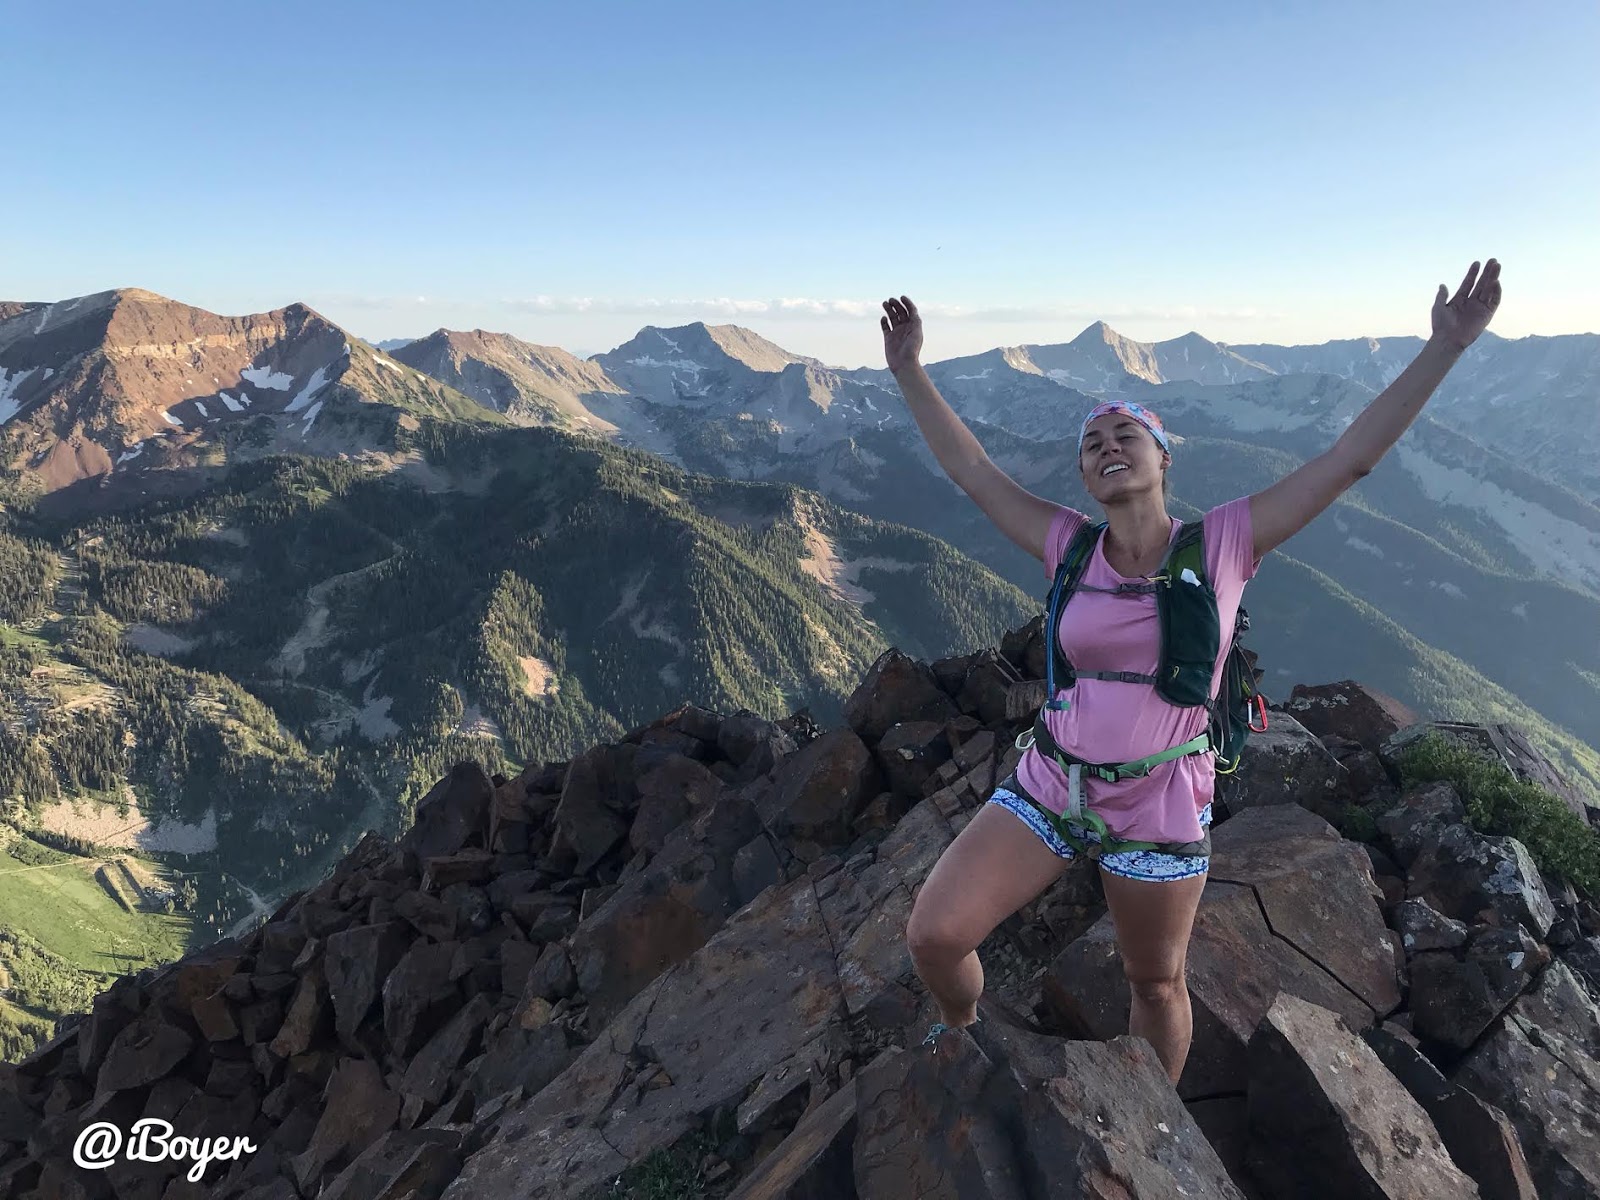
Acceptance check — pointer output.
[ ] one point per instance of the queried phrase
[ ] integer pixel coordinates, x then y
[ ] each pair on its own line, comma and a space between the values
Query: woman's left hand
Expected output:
1459, 320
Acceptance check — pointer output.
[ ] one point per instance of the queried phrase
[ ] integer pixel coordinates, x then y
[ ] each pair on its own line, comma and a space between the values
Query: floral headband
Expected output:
1128, 408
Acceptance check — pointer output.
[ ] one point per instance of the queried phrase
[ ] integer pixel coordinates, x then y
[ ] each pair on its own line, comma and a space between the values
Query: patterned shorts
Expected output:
1147, 865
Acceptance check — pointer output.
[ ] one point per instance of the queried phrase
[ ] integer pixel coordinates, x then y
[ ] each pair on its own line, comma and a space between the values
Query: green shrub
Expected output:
1501, 805
1358, 824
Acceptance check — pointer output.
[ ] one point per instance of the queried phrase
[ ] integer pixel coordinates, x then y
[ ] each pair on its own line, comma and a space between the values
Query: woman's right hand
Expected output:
902, 334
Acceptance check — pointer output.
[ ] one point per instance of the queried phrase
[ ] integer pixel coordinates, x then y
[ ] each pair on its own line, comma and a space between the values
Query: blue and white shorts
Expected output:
1147, 865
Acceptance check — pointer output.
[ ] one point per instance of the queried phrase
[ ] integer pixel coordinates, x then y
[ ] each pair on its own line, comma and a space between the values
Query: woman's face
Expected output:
1120, 458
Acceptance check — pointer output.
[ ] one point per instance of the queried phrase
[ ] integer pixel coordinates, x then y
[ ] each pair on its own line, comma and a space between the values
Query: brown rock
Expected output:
987, 689
752, 743
664, 915
1349, 710
453, 815
909, 752
1025, 1116
1285, 765
428, 915
110, 1013
597, 806
591, 1121
260, 1022
896, 688
306, 1019
1550, 1090
1236, 968
1454, 1000
520, 1058
1422, 929
417, 995
1465, 875
814, 1161
517, 960
1326, 1118
1422, 814
357, 1111
880, 815
141, 1054
821, 788
668, 794
466, 866
552, 976
399, 1165
1317, 893
428, 1076
1480, 1138
356, 964
1559, 1004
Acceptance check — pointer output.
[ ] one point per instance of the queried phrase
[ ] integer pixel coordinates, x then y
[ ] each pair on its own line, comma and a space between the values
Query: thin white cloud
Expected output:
806, 308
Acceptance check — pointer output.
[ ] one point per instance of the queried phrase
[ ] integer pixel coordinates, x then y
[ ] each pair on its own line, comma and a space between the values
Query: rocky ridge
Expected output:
689, 943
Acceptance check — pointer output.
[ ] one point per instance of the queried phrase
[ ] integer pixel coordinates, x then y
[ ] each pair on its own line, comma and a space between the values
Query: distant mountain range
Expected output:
259, 574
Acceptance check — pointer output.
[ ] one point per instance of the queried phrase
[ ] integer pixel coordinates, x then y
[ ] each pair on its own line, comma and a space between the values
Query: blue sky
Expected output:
1257, 171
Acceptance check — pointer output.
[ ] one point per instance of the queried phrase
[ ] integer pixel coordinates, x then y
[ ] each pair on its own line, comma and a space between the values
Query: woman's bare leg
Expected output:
995, 866
1153, 922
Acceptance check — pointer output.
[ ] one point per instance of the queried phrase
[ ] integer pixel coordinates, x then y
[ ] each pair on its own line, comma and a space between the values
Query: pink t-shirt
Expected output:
1113, 722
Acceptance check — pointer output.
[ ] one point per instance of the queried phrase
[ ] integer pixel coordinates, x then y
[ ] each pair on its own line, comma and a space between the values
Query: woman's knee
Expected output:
932, 933
1158, 990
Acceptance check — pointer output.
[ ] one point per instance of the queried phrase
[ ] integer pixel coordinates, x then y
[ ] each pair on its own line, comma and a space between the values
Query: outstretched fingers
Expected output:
1488, 289
1465, 289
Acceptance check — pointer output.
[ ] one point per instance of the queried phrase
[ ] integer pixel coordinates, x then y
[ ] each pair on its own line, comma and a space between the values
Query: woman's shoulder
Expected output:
1064, 526
1230, 540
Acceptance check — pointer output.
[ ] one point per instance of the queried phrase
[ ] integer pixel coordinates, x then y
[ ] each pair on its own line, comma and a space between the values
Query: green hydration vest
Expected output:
1191, 638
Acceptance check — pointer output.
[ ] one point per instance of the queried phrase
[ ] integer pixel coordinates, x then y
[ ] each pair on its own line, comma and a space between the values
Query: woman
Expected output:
1009, 852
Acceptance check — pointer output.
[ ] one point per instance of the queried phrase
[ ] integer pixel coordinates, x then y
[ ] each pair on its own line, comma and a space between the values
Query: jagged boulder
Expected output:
1480, 1138
1583, 958
452, 814
1290, 907
1455, 998
663, 915
1010, 1116
668, 1056
896, 688
597, 806
1355, 1131
1421, 928
1466, 875
818, 791
1349, 710
1284, 765
1550, 1090
1421, 816
909, 752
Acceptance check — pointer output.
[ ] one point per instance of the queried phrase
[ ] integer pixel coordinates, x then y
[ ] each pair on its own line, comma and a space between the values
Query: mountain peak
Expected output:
1100, 333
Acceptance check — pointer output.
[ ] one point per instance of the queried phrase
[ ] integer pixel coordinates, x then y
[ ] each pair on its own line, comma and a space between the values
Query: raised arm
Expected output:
1018, 513
1282, 510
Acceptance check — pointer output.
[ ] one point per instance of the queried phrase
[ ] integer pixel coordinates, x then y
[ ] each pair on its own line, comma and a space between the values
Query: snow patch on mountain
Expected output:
266, 377
1357, 544
9, 386
318, 379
